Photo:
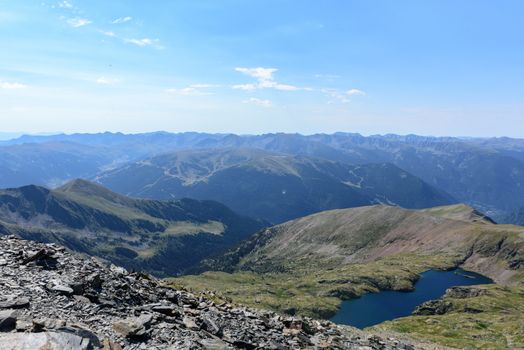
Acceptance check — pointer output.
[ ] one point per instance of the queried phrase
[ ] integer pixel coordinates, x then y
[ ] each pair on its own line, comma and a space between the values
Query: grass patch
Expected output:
314, 288
496, 323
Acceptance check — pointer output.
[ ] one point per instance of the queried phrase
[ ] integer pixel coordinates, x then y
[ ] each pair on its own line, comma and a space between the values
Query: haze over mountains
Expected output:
255, 182
484, 173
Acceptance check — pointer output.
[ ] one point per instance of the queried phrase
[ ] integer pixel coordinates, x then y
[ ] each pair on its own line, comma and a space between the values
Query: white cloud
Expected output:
65, 4
265, 80
109, 33
122, 20
106, 81
11, 86
355, 92
204, 86
285, 87
342, 96
245, 87
78, 22
191, 90
144, 42
259, 102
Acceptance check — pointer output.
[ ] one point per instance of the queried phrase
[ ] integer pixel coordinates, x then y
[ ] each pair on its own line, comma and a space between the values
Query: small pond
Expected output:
374, 308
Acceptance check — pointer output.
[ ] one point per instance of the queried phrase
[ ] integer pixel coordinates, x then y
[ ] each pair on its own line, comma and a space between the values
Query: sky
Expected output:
433, 67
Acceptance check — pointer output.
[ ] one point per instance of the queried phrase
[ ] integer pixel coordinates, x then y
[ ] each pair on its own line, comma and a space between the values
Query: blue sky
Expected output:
446, 67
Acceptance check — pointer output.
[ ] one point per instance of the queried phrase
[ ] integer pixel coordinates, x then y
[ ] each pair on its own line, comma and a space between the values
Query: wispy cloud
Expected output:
78, 22
193, 90
264, 80
65, 4
204, 86
144, 42
121, 20
108, 33
259, 102
11, 86
342, 96
355, 92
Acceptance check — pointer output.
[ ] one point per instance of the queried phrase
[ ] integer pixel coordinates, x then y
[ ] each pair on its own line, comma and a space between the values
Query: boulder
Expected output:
433, 307
8, 320
16, 303
45, 340
134, 327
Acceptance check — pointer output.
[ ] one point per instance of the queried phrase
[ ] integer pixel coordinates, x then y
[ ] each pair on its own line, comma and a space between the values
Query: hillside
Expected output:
255, 182
368, 234
516, 217
64, 301
161, 237
309, 265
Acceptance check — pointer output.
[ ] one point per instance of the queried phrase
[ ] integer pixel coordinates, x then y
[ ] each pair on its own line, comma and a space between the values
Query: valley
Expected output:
163, 238
310, 265
301, 226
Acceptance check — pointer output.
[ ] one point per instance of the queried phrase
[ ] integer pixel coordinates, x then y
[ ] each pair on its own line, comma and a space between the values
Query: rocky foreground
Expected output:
53, 299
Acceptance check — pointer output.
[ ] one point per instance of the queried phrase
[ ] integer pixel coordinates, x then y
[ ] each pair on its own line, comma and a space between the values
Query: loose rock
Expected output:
65, 301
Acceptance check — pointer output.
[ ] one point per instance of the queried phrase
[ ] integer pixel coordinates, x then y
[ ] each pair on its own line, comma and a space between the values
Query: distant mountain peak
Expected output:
91, 189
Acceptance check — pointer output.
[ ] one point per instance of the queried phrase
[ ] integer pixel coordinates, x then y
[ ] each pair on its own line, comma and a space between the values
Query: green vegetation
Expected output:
494, 320
162, 237
309, 265
315, 288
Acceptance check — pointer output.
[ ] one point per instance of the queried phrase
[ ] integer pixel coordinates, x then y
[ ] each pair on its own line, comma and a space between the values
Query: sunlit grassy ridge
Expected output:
309, 265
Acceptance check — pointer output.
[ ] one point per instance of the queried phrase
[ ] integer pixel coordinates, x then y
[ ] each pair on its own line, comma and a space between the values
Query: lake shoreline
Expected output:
371, 309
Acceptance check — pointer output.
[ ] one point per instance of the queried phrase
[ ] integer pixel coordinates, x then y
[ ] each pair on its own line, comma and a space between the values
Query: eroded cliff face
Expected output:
52, 299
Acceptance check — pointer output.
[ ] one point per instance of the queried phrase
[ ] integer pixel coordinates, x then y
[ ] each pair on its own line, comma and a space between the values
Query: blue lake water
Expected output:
374, 308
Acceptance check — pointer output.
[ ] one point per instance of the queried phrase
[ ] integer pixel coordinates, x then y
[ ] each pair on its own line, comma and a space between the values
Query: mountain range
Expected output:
255, 182
162, 237
484, 173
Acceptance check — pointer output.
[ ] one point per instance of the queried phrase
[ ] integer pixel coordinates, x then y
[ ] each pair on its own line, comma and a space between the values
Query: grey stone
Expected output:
46, 340
8, 320
16, 303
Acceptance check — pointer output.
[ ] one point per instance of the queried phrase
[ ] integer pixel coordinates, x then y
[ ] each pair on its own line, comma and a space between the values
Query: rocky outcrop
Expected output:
433, 307
52, 299
447, 303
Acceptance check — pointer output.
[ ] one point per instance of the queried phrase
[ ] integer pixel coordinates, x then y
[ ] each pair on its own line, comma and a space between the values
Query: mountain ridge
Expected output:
162, 237
253, 181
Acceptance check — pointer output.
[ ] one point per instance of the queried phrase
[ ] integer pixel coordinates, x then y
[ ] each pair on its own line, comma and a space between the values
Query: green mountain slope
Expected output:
255, 182
309, 265
161, 237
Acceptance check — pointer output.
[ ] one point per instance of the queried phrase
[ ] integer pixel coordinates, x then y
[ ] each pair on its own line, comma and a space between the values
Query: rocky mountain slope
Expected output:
366, 234
163, 237
255, 182
51, 299
309, 265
